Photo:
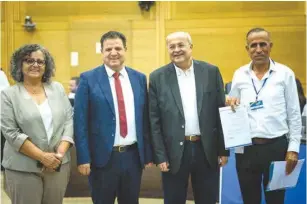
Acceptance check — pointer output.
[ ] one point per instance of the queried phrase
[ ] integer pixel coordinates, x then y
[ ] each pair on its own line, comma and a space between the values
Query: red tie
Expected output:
121, 106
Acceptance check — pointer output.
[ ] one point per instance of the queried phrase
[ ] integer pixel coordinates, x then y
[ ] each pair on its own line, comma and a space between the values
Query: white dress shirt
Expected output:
46, 115
186, 82
71, 95
281, 109
4, 83
129, 107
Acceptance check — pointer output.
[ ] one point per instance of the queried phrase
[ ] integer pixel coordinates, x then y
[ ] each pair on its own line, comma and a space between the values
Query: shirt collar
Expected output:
110, 71
186, 72
272, 67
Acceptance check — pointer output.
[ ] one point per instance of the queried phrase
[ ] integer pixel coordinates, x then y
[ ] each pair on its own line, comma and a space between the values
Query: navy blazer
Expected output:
94, 117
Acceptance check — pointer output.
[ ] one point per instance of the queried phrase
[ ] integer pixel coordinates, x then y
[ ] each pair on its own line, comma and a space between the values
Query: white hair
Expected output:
179, 34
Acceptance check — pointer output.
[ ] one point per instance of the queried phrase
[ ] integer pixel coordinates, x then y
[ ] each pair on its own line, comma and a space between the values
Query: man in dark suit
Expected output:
111, 125
184, 98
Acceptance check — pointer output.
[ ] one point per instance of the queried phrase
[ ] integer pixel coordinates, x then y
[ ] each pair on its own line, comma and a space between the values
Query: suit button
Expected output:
181, 143
112, 135
182, 126
113, 118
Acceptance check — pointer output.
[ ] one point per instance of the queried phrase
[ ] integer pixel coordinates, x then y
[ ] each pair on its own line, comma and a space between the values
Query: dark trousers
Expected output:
2, 146
120, 178
253, 170
203, 178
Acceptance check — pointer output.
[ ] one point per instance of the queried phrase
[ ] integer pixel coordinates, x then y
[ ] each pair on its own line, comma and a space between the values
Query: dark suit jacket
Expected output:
94, 117
228, 87
167, 116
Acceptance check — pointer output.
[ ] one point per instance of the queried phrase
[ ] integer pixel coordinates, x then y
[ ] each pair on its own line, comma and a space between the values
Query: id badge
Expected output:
256, 105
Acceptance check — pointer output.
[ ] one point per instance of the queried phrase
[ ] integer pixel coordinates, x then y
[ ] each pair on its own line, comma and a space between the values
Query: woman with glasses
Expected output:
36, 120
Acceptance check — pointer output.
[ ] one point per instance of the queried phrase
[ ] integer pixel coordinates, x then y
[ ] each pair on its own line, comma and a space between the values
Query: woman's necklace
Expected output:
33, 90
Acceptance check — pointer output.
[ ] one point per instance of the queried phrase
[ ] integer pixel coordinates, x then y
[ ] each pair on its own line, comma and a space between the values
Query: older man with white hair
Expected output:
184, 97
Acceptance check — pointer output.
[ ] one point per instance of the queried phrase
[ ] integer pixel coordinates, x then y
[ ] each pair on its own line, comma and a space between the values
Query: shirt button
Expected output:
182, 126
181, 143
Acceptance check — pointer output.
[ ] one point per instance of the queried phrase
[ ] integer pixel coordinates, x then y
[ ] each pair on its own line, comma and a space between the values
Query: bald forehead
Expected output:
261, 34
179, 35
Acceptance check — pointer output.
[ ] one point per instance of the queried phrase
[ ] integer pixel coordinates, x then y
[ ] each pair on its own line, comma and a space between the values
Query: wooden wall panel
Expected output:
144, 46
9, 10
59, 11
2, 17
238, 9
217, 28
290, 48
84, 35
53, 36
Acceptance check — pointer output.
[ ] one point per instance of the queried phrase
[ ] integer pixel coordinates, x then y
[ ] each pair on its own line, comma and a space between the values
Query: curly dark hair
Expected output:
25, 51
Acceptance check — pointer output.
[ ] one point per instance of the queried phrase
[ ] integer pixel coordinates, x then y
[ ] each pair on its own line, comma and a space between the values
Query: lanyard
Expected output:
264, 82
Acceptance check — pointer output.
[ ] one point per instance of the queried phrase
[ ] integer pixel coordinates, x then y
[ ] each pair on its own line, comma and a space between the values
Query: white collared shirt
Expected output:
281, 110
129, 107
187, 88
71, 95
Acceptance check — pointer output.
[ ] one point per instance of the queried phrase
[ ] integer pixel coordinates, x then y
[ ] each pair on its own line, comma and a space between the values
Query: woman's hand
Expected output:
50, 160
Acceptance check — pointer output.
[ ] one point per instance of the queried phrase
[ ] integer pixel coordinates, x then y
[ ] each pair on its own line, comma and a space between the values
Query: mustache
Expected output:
177, 54
259, 55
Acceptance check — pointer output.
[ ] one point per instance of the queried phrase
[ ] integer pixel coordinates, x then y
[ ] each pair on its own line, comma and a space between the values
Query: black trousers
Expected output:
204, 178
2, 146
253, 170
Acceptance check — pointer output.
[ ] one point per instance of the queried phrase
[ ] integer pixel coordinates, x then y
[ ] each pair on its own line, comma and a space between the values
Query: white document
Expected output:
278, 178
235, 126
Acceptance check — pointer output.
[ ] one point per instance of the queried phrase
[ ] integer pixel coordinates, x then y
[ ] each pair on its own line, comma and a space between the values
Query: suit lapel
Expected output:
200, 78
135, 85
31, 106
103, 81
173, 83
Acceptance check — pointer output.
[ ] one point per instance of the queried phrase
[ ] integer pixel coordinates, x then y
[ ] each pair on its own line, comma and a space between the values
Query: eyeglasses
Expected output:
31, 61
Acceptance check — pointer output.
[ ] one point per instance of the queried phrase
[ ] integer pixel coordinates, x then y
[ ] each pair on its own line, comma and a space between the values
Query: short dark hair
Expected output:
26, 50
77, 79
113, 35
256, 30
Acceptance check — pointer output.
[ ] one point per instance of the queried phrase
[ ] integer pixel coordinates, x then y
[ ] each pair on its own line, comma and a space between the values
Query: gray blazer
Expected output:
21, 120
167, 117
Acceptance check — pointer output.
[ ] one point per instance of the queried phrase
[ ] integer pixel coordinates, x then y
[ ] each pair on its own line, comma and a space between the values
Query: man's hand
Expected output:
233, 102
223, 160
148, 165
49, 160
291, 159
164, 166
84, 169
